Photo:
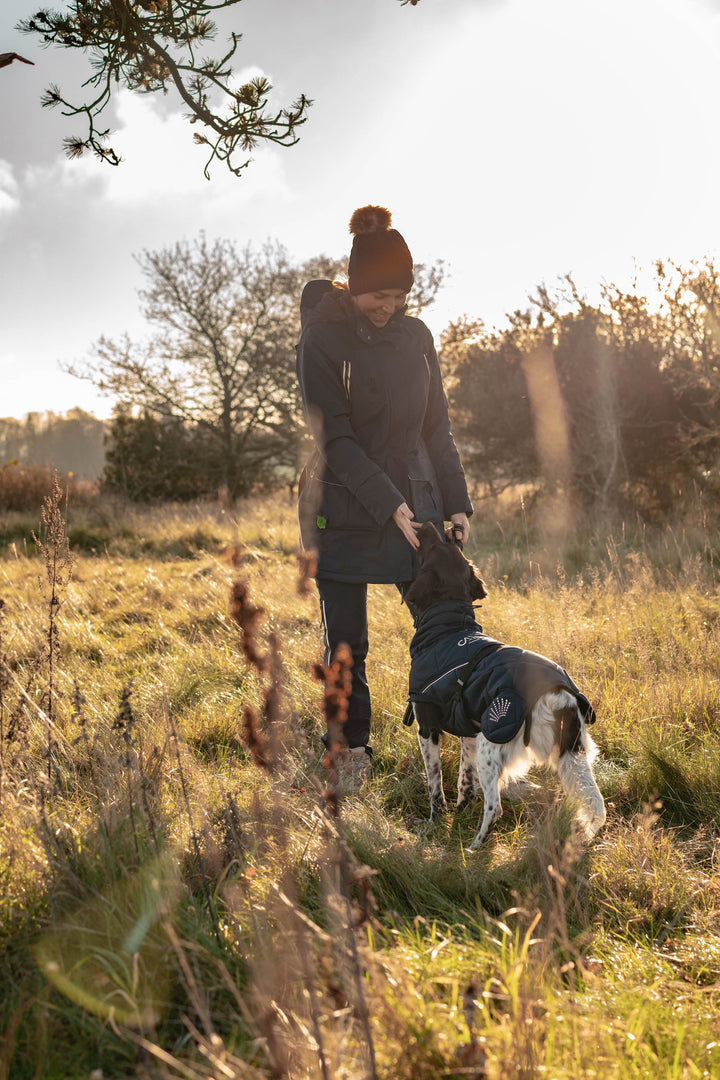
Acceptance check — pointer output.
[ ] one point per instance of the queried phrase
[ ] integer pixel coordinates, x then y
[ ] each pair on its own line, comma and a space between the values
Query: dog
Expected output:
510, 707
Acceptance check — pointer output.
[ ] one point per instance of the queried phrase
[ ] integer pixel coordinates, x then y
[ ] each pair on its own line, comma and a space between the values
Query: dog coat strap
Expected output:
588, 713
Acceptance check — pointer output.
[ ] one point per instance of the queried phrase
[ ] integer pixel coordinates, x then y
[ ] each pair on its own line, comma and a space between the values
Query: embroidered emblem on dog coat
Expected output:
499, 708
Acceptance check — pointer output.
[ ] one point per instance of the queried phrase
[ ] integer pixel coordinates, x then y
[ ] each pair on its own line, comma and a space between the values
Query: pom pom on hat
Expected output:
380, 258
370, 219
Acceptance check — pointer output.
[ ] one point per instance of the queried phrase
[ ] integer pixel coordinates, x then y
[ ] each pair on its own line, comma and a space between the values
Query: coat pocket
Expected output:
332, 506
423, 502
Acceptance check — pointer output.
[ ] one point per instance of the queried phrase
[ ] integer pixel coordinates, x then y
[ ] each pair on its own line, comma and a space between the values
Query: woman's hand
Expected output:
403, 519
459, 521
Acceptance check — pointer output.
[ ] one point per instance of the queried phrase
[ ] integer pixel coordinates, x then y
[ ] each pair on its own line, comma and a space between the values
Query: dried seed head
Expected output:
307, 568
247, 616
256, 741
235, 555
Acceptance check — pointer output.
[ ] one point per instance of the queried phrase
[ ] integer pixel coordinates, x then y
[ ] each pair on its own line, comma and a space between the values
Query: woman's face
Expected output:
380, 306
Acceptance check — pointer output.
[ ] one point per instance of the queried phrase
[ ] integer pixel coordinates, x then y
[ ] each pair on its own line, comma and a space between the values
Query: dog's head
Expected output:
444, 574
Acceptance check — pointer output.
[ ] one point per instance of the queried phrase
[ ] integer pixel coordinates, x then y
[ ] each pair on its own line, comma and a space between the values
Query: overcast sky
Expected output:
516, 139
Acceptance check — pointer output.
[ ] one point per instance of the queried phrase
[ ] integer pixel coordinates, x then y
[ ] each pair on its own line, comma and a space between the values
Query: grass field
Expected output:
171, 908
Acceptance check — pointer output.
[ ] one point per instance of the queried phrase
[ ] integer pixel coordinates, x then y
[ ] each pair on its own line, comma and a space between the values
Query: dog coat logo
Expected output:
468, 640
499, 709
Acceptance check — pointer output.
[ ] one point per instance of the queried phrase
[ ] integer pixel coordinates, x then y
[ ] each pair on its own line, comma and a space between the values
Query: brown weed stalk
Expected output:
284, 1032
247, 616
307, 952
256, 741
265, 748
194, 835
337, 680
270, 978
54, 547
307, 566
13, 713
124, 723
341, 874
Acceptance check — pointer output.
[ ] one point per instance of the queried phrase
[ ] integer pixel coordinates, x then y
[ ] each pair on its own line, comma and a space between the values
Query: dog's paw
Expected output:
478, 842
472, 849
489, 822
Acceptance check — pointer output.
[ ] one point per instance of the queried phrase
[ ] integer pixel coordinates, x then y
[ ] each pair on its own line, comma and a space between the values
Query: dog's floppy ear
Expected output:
477, 585
424, 589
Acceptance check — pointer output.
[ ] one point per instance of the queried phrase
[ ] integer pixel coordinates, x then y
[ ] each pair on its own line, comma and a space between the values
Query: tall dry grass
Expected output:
184, 893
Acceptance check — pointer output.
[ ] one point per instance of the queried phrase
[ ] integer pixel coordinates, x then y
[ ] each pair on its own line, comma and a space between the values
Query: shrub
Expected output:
25, 487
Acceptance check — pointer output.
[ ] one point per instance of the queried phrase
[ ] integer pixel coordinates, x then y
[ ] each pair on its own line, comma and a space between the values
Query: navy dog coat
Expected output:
480, 684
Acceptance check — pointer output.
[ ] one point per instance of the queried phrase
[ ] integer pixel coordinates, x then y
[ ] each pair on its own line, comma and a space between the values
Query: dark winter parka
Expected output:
498, 694
379, 418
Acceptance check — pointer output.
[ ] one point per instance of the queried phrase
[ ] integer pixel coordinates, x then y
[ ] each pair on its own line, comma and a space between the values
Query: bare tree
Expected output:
429, 280
222, 360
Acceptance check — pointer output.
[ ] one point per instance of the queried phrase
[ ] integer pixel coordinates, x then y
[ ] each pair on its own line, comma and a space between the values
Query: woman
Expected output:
384, 459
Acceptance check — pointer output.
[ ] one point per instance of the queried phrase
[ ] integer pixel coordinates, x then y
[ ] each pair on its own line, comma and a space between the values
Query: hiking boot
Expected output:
353, 768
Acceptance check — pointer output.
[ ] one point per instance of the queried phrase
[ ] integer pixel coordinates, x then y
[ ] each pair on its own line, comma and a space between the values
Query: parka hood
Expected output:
323, 302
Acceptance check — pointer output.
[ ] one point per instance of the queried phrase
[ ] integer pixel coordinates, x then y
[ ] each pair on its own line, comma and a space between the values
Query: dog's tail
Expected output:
576, 751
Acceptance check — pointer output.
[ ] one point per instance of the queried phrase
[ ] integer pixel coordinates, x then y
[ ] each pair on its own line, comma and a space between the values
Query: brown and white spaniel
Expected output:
511, 708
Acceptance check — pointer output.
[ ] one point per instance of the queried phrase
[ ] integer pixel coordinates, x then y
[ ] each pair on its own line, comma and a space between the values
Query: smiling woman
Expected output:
384, 457
381, 306
380, 259
380, 265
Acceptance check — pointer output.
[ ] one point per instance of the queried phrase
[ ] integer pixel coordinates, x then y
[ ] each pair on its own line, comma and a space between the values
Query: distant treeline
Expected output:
71, 442
608, 407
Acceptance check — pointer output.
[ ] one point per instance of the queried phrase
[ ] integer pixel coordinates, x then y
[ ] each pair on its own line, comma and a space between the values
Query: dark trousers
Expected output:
343, 607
